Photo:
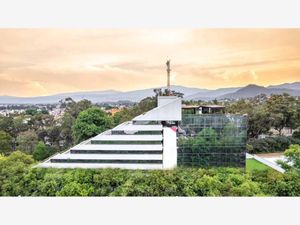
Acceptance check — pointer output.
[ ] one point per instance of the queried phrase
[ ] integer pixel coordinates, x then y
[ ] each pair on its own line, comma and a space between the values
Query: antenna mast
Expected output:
168, 71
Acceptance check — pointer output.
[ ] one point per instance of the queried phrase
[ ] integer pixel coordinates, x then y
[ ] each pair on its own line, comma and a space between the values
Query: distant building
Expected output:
287, 132
57, 112
113, 111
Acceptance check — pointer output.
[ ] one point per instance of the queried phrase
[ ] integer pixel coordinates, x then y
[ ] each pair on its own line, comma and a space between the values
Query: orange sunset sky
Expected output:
48, 61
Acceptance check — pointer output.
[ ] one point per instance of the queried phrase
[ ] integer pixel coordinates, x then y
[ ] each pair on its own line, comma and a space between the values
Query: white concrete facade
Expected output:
170, 148
129, 145
168, 109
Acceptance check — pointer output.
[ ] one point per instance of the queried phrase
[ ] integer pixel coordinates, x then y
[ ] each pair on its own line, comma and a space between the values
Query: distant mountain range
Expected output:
135, 96
253, 90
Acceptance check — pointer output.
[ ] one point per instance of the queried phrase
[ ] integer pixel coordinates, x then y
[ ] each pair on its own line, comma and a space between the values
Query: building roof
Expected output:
190, 106
203, 106
213, 106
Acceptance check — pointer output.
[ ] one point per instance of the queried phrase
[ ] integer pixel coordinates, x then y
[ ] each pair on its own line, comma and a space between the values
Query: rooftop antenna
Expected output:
168, 71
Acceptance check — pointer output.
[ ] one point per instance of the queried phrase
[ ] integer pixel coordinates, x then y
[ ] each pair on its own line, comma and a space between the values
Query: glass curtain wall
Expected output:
212, 140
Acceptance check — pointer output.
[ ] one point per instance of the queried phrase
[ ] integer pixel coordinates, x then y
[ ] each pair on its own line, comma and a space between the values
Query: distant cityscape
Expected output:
57, 110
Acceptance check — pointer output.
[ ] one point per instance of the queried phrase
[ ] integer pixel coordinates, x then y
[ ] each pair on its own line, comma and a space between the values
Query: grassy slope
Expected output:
252, 164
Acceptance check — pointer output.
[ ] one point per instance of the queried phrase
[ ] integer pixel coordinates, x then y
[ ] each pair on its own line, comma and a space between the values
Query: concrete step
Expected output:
110, 156
101, 165
127, 138
157, 147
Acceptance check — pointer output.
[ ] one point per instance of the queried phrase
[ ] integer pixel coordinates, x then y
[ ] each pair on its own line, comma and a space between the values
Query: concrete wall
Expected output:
169, 109
169, 148
163, 100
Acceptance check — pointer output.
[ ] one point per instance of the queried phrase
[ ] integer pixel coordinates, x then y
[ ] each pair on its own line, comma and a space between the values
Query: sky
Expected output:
35, 62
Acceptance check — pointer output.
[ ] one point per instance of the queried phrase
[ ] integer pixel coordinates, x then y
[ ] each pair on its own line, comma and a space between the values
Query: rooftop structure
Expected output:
202, 109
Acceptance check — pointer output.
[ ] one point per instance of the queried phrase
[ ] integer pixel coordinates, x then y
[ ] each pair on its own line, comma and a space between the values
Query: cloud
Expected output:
49, 61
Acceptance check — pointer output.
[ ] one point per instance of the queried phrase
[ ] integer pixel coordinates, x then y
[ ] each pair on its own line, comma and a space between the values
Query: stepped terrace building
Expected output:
162, 138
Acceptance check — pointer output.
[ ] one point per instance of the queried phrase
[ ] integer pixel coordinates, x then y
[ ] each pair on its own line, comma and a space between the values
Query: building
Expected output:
146, 142
203, 109
212, 140
162, 138
113, 111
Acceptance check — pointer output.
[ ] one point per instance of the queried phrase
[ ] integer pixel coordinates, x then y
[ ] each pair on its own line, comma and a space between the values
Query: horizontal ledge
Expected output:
116, 152
117, 147
108, 156
132, 127
107, 161
101, 166
127, 138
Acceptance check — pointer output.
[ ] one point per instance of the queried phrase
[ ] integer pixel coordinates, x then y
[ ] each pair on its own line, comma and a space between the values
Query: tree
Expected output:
292, 155
53, 134
259, 122
64, 103
296, 133
5, 142
19, 125
41, 151
89, 123
13, 126
67, 121
282, 111
13, 169
167, 92
74, 108
41, 121
31, 111
26, 141
128, 114
7, 124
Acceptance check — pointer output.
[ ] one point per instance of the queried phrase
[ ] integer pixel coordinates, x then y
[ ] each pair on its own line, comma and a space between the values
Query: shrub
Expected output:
271, 144
296, 133
41, 151
75, 189
18, 178
13, 168
292, 156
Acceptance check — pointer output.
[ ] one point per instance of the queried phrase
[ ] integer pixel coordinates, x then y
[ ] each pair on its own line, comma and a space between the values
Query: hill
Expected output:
254, 90
249, 91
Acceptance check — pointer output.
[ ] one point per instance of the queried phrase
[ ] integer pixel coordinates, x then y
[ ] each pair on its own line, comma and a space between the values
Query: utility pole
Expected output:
168, 71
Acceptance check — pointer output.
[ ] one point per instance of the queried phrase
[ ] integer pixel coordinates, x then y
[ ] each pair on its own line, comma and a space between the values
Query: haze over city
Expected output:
36, 62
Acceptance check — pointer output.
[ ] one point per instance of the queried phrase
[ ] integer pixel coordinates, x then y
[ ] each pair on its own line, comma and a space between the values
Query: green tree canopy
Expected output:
282, 111
13, 168
31, 111
74, 108
5, 142
67, 121
41, 151
89, 123
292, 155
128, 114
26, 141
